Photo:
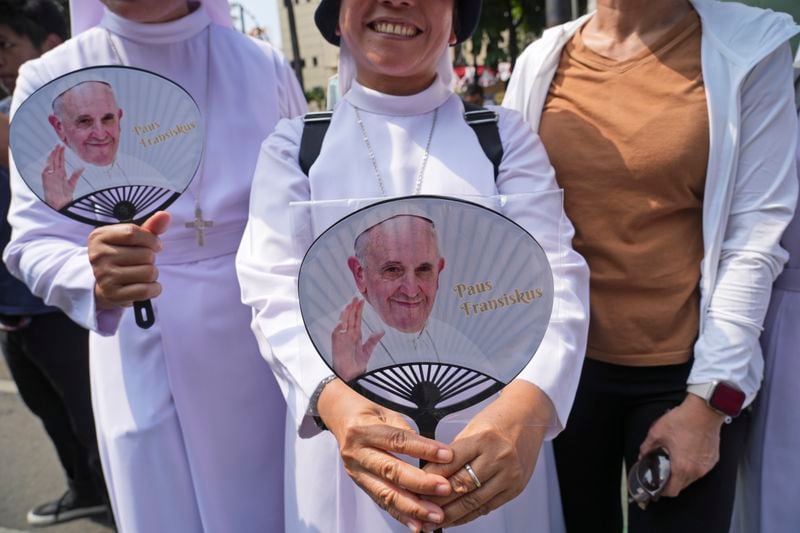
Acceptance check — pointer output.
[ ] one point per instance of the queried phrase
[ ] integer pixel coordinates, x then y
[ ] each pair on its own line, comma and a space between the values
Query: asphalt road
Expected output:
29, 470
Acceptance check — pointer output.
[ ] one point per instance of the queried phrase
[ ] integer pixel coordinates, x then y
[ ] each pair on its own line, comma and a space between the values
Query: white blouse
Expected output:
398, 128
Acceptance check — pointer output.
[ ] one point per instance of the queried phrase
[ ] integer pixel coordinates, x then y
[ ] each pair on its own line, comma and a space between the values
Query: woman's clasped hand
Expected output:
488, 463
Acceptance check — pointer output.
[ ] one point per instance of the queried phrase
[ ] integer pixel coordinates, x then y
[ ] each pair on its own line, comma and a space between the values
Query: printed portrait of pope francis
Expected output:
396, 267
87, 120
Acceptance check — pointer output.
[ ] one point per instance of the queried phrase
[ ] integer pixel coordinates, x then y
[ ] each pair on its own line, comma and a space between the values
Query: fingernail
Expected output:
442, 489
435, 517
444, 455
412, 526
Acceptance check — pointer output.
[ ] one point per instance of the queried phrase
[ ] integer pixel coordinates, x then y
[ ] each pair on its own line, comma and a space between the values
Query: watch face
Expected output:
727, 399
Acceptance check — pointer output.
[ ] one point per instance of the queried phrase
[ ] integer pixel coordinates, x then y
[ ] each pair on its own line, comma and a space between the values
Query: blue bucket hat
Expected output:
327, 18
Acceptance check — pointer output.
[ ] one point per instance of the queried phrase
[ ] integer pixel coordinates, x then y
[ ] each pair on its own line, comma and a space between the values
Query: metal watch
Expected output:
312, 410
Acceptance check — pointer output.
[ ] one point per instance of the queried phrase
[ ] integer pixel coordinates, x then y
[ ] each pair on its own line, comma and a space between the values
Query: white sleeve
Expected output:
292, 100
518, 92
764, 197
556, 366
47, 250
268, 263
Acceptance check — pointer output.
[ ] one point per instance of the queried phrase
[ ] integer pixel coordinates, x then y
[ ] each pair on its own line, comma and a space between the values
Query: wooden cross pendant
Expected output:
199, 225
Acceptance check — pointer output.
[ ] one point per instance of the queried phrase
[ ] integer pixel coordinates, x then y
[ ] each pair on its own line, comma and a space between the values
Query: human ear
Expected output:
358, 273
57, 127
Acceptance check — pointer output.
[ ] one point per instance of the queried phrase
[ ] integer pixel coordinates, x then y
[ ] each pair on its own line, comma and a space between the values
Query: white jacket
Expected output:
751, 188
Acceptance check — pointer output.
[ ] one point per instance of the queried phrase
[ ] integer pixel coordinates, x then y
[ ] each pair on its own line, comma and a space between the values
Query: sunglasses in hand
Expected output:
648, 477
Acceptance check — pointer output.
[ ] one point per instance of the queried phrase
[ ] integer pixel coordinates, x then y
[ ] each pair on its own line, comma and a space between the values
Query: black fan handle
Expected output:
426, 423
143, 311
124, 211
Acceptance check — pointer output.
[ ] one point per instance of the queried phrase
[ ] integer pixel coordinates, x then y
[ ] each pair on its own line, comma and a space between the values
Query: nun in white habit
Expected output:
189, 417
395, 78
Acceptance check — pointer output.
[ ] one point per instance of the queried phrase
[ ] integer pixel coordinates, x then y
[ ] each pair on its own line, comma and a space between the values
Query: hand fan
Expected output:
426, 305
109, 144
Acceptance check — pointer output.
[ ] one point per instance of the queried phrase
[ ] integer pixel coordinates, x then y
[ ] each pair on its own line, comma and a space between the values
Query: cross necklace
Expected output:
199, 225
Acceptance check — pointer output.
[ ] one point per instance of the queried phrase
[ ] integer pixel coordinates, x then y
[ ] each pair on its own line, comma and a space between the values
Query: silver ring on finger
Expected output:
473, 475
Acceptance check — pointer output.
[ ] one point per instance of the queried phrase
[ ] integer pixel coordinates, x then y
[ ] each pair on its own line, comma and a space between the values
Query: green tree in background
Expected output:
316, 95
506, 27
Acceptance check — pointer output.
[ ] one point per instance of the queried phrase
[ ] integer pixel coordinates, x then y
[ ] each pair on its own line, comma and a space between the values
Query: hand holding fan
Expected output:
106, 145
426, 305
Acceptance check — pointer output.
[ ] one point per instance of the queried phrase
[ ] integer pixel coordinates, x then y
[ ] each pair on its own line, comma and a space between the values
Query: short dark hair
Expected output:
34, 19
474, 89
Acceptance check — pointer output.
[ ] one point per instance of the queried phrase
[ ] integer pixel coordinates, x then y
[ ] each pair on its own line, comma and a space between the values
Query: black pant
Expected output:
614, 409
49, 361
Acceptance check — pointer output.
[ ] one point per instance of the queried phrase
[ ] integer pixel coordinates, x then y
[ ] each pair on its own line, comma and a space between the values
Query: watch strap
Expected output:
707, 392
703, 390
312, 404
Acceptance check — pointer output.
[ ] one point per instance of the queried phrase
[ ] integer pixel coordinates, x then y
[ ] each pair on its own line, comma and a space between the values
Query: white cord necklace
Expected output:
425, 157
199, 225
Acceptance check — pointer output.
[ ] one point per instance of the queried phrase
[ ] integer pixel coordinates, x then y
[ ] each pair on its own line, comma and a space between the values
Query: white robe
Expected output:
189, 418
319, 494
768, 491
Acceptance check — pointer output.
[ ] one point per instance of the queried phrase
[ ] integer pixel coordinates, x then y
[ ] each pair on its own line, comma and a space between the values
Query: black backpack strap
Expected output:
484, 122
797, 85
315, 126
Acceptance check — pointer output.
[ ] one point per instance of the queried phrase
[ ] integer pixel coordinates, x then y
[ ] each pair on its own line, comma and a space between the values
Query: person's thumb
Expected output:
651, 443
158, 223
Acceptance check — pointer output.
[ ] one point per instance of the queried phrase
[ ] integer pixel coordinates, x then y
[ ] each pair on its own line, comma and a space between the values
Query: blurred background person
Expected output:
47, 353
768, 491
474, 95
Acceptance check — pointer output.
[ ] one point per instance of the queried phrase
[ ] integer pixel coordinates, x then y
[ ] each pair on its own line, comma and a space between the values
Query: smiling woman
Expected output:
398, 130
396, 52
